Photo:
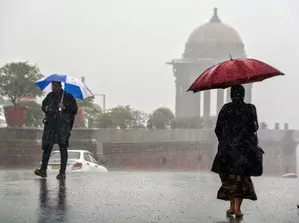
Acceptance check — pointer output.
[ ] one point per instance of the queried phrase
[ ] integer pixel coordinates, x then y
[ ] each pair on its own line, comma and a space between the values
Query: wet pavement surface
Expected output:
138, 197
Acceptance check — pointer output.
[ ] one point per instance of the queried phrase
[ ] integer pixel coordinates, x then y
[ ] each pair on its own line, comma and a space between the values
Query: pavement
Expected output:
122, 197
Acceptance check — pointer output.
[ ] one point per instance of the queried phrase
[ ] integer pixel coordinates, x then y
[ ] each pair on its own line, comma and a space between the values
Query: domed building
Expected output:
207, 45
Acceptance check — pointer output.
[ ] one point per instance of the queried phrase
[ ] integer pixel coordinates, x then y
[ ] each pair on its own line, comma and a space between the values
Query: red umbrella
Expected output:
232, 72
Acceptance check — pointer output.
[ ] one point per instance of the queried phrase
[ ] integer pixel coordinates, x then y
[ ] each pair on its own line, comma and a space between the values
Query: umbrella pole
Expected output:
61, 99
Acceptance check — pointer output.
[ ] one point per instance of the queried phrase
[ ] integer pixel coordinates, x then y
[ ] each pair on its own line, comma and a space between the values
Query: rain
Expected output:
171, 111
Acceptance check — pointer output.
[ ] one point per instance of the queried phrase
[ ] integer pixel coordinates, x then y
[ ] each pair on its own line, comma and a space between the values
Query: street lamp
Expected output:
103, 95
104, 101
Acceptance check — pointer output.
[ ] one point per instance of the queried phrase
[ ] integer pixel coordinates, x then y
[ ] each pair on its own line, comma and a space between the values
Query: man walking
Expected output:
60, 109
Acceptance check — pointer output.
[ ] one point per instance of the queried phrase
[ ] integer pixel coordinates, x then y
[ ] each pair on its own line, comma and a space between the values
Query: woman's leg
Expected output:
238, 204
231, 209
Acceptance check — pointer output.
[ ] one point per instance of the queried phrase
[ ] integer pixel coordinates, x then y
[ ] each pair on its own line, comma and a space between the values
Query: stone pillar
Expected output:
178, 99
220, 99
248, 93
228, 99
277, 126
286, 126
186, 101
207, 107
192, 104
197, 100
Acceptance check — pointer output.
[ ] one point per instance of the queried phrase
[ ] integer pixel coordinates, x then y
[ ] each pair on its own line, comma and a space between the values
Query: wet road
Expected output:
138, 197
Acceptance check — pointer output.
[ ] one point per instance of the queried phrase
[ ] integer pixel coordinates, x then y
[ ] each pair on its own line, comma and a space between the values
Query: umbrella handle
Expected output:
61, 99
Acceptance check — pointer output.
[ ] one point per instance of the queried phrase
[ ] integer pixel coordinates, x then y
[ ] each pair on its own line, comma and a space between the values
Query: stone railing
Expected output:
142, 149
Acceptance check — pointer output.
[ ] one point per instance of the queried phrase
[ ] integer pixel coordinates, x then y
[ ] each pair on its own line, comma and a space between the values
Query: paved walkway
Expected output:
138, 197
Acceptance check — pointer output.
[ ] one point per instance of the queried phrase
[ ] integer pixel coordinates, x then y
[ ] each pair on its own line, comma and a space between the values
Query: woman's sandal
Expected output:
240, 215
230, 212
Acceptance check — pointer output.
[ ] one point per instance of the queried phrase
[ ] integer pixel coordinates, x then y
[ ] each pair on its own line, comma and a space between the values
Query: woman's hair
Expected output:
237, 92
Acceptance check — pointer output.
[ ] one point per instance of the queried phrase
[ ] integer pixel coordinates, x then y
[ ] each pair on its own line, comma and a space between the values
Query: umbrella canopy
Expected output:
232, 72
71, 85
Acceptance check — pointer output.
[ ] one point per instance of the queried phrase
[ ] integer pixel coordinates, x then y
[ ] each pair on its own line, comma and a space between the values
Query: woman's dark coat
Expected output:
236, 132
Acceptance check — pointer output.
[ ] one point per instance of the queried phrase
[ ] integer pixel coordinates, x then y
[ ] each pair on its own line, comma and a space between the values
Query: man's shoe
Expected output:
61, 176
40, 173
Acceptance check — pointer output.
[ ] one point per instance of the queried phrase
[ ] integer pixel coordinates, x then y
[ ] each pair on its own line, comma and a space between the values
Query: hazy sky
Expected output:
121, 46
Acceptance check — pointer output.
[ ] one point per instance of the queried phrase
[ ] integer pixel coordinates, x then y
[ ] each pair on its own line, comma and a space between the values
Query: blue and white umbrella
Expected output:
71, 85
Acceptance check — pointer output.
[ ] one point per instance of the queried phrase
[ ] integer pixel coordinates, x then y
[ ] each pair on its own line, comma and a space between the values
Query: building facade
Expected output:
209, 44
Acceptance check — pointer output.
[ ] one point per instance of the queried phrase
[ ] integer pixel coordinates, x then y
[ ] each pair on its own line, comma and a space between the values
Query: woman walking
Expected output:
236, 132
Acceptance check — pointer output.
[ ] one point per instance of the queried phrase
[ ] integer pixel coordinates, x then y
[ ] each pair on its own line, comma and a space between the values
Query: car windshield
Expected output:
71, 155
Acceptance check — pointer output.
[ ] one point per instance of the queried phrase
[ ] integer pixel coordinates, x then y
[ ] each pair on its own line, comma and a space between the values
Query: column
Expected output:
178, 99
207, 107
248, 93
189, 104
184, 102
228, 99
197, 100
220, 99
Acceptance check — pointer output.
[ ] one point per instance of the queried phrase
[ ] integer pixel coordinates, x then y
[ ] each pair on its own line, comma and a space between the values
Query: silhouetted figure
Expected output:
60, 109
236, 129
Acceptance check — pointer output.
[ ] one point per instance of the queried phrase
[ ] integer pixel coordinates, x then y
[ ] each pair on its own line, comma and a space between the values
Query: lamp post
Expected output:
103, 95
104, 100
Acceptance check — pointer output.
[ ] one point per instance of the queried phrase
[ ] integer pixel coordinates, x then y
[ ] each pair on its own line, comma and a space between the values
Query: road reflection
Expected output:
48, 211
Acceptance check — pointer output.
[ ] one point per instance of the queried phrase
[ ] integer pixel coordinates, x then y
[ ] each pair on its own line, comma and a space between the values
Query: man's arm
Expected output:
45, 104
71, 107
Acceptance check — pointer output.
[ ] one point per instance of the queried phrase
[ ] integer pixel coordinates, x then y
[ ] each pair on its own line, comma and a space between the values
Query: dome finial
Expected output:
215, 17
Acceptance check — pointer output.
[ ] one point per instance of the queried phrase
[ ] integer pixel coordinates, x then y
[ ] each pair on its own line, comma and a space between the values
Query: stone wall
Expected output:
21, 147
171, 156
146, 149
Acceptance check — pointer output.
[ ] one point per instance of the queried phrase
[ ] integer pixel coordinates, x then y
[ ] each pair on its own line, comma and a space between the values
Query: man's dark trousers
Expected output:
60, 137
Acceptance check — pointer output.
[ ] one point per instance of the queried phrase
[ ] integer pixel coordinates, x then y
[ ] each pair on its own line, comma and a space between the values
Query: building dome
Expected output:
214, 39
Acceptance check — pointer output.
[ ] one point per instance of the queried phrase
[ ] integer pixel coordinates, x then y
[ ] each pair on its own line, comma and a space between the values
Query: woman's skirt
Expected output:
234, 186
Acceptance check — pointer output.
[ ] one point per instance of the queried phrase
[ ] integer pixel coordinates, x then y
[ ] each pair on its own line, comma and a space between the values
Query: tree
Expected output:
139, 119
17, 80
106, 121
35, 114
117, 117
92, 111
161, 118
263, 125
188, 123
123, 117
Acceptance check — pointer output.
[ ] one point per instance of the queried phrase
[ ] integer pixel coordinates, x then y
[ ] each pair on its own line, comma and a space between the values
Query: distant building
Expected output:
207, 45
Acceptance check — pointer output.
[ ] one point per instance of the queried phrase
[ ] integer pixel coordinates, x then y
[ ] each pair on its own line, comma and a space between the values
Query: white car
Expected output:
289, 175
78, 161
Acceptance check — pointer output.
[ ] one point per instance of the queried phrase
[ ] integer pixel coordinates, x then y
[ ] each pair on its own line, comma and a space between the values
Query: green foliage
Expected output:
86, 103
122, 117
92, 111
106, 121
17, 80
139, 119
34, 113
161, 118
263, 125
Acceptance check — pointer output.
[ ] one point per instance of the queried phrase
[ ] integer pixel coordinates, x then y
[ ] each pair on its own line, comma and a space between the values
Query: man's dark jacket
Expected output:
58, 124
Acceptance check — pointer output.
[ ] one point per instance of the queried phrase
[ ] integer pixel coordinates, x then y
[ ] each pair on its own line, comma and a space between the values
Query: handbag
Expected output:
256, 164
